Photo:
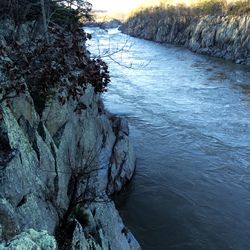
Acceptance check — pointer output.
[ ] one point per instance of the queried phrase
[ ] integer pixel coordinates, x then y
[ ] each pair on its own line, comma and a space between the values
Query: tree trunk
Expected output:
45, 24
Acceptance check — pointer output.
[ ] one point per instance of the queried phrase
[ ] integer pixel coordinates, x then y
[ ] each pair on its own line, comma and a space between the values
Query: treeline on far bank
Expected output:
197, 8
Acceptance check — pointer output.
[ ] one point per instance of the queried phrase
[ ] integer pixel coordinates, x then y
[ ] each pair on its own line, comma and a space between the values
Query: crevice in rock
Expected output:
94, 212
6, 152
111, 161
116, 122
59, 133
64, 234
30, 133
21, 159
104, 139
101, 109
96, 236
56, 179
75, 212
27, 128
23, 200
65, 229
39, 103
41, 131
36, 149
8, 223
71, 186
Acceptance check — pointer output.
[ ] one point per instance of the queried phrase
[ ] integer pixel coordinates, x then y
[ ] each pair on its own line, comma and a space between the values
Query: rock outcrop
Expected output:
220, 36
45, 157
32, 239
58, 169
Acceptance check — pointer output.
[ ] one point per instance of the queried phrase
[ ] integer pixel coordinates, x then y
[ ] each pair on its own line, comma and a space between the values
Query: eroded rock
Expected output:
220, 36
64, 156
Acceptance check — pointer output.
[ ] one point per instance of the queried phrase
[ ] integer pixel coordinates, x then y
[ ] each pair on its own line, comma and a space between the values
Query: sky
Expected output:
115, 5
127, 5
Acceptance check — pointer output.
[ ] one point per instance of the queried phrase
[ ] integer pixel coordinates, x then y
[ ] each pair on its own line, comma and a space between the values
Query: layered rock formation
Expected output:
221, 36
58, 169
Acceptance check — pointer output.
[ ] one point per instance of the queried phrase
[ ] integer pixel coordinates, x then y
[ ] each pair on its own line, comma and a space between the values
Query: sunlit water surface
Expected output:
189, 118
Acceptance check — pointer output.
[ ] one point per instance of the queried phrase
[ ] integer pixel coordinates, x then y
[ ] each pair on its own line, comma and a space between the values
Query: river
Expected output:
189, 119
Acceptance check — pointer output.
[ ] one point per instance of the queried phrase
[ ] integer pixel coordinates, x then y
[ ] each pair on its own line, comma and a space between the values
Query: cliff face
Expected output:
58, 169
221, 36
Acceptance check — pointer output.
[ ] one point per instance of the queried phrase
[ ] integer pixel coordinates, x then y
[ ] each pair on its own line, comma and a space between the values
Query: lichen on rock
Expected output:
31, 239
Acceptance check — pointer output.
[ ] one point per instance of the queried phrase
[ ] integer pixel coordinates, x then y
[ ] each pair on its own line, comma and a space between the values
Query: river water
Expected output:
189, 119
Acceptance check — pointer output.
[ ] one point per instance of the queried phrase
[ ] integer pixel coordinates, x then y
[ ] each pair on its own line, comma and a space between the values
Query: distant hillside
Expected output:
215, 28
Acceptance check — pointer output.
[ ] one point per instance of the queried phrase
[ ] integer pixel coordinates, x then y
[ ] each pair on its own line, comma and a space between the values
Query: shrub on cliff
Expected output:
42, 64
25, 10
222, 7
239, 8
198, 8
208, 7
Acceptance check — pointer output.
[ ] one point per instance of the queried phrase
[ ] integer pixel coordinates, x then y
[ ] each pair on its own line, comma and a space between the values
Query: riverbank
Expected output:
62, 155
219, 35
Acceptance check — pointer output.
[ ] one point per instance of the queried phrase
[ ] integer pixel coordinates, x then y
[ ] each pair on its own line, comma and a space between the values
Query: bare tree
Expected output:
61, 12
45, 24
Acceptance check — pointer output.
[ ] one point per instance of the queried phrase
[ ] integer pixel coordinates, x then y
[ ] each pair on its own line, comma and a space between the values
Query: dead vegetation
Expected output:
194, 9
45, 59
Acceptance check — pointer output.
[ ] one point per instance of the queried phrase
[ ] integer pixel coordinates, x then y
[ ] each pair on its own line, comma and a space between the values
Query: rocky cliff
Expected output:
220, 36
59, 165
